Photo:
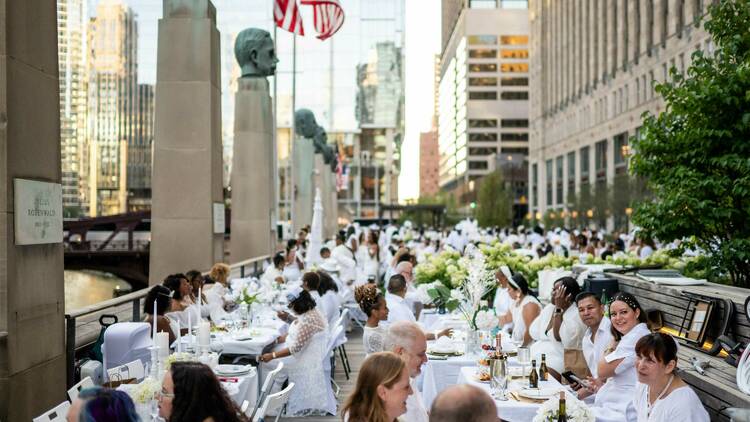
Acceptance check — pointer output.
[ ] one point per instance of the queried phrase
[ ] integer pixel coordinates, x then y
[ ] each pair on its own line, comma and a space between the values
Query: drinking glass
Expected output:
524, 358
500, 385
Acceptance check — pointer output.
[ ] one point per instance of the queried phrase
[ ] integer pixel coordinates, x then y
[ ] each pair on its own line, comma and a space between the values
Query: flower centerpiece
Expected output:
575, 410
145, 391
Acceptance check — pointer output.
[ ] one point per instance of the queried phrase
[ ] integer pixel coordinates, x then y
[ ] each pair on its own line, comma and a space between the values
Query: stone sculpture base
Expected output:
303, 177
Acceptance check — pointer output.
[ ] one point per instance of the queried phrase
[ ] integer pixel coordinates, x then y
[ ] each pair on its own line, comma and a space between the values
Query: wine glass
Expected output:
524, 358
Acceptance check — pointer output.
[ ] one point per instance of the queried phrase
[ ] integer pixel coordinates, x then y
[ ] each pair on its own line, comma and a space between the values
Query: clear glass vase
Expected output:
473, 342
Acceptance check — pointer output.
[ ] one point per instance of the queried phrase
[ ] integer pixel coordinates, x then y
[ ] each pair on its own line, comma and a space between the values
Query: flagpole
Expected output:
276, 186
292, 135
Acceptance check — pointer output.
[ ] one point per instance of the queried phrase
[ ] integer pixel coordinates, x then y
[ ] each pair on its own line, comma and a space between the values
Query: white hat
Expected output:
293, 294
506, 271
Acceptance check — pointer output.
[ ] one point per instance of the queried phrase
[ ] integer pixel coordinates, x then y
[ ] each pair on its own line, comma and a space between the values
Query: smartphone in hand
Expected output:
575, 379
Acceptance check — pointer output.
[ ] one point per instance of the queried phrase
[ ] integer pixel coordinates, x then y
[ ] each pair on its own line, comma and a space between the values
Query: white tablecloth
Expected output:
431, 320
439, 374
236, 344
509, 410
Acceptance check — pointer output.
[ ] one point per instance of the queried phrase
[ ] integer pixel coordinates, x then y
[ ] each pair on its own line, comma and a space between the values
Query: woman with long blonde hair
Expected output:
381, 391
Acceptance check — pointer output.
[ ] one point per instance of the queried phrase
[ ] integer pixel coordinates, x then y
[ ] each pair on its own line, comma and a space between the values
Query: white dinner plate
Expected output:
233, 370
539, 393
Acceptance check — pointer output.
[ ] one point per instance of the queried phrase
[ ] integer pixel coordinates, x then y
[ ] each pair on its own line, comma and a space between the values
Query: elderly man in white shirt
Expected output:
406, 339
597, 337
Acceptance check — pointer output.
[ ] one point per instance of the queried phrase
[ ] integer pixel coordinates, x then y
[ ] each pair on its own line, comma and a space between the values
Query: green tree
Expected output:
696, 154
494, 204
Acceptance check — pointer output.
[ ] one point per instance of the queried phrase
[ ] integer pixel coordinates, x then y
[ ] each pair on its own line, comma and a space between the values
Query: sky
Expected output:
421, 44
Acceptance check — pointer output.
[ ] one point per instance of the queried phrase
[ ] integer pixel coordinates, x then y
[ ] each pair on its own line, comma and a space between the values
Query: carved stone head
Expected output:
255, 53
304, 123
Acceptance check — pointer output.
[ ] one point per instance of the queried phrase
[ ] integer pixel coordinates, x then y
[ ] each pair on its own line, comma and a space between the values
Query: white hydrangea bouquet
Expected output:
145, 391
575, 410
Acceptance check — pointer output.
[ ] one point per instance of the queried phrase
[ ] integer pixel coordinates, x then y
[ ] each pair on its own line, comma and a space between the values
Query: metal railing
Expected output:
248, 267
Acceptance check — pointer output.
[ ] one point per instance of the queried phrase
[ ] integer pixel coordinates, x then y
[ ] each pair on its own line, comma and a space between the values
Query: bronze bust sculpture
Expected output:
306, 126
255, 53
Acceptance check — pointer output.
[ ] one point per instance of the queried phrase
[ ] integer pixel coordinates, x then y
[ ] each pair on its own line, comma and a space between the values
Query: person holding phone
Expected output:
596, 338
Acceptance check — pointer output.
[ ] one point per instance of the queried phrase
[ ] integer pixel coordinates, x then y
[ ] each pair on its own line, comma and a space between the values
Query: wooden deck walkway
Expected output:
356, 353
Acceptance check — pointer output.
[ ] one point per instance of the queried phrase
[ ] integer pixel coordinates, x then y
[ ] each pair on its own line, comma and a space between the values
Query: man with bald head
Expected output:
465, 403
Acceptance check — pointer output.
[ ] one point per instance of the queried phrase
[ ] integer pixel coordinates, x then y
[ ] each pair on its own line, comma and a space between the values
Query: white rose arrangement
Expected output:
485, 320
145, 391
575, 410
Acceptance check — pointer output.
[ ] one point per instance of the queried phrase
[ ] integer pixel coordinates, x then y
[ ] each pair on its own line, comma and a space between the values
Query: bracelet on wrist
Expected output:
273, 355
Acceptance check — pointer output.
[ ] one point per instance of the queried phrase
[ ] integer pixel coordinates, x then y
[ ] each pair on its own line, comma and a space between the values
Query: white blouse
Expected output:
374, 339
519, 326
682, 405
545, 341
303, 329
614, 400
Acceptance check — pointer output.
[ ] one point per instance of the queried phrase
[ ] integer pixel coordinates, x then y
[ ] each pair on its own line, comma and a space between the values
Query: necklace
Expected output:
648, 393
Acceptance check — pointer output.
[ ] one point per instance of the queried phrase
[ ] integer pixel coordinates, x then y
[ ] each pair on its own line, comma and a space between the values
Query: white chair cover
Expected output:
125, 342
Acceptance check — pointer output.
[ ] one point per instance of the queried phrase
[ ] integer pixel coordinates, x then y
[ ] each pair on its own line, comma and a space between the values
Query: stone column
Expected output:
32, 301
332, 215
253, 193
302, 171
187, 169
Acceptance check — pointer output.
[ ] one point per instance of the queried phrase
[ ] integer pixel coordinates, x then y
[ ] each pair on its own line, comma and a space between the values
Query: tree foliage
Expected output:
696, 154
494, 203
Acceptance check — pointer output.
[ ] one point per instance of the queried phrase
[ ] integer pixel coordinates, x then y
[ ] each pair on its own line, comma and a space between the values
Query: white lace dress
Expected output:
374, 339
307, 341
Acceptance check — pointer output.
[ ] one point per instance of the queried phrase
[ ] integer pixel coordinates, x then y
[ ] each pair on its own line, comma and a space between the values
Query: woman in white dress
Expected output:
215, 290
329, 297
293, 266
372, 303
523, 311
303, 349
615, 385
662, 395
275, 272
182, 309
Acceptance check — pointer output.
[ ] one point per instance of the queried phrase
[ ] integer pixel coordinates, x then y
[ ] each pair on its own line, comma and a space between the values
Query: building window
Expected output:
482, 81
514, 39
482, 53
474, 123
514, 67
514, 54
482, 137
483, 95
523, 151
649, 25
559, 184
477, 165
600, 160
584, 165
622, 151
514, 137
514, 95
664, 22
514, 81
484, 67
571, 171
507, 123
549, 182
482, 40
482, 150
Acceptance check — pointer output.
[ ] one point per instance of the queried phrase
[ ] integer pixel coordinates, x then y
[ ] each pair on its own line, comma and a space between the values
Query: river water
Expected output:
84, 288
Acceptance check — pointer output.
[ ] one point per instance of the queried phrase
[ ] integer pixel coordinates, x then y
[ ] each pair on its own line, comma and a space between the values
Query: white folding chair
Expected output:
267, 386
74, 390
132, 369
274, 402
57, 414
330, 357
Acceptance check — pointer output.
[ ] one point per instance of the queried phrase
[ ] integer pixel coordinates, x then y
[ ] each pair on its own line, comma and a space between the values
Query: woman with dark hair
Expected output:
163, 298
558, 332
616, 375
180, 287
661, 394
302, 350
329, 301
197, 281
98, 404
293, 265
192, 393
372, 303
523, 311
274, 272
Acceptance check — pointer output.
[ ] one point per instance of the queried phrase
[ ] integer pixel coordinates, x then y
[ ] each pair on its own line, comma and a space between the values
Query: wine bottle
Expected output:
533, 375
498, 345
543, 372
561, 415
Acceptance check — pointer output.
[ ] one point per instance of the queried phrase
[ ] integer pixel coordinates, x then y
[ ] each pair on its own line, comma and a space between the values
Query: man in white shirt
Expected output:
598, 335
344, 257
400, 310
407, 340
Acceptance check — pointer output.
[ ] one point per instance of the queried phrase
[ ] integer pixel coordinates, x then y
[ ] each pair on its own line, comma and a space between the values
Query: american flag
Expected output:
287, 17
328, 16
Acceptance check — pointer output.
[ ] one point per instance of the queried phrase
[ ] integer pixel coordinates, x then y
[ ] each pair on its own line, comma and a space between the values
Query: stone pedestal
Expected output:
32, 300
325, 180
187, 169
303, 158
253, 193
332, 218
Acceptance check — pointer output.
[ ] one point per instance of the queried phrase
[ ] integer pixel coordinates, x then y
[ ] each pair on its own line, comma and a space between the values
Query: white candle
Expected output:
162, 342
178, 349
153, 317
190, 329
204, 333
200, 303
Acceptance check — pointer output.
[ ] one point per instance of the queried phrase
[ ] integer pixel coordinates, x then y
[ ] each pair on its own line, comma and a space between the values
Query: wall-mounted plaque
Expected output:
219, 222
38, 212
